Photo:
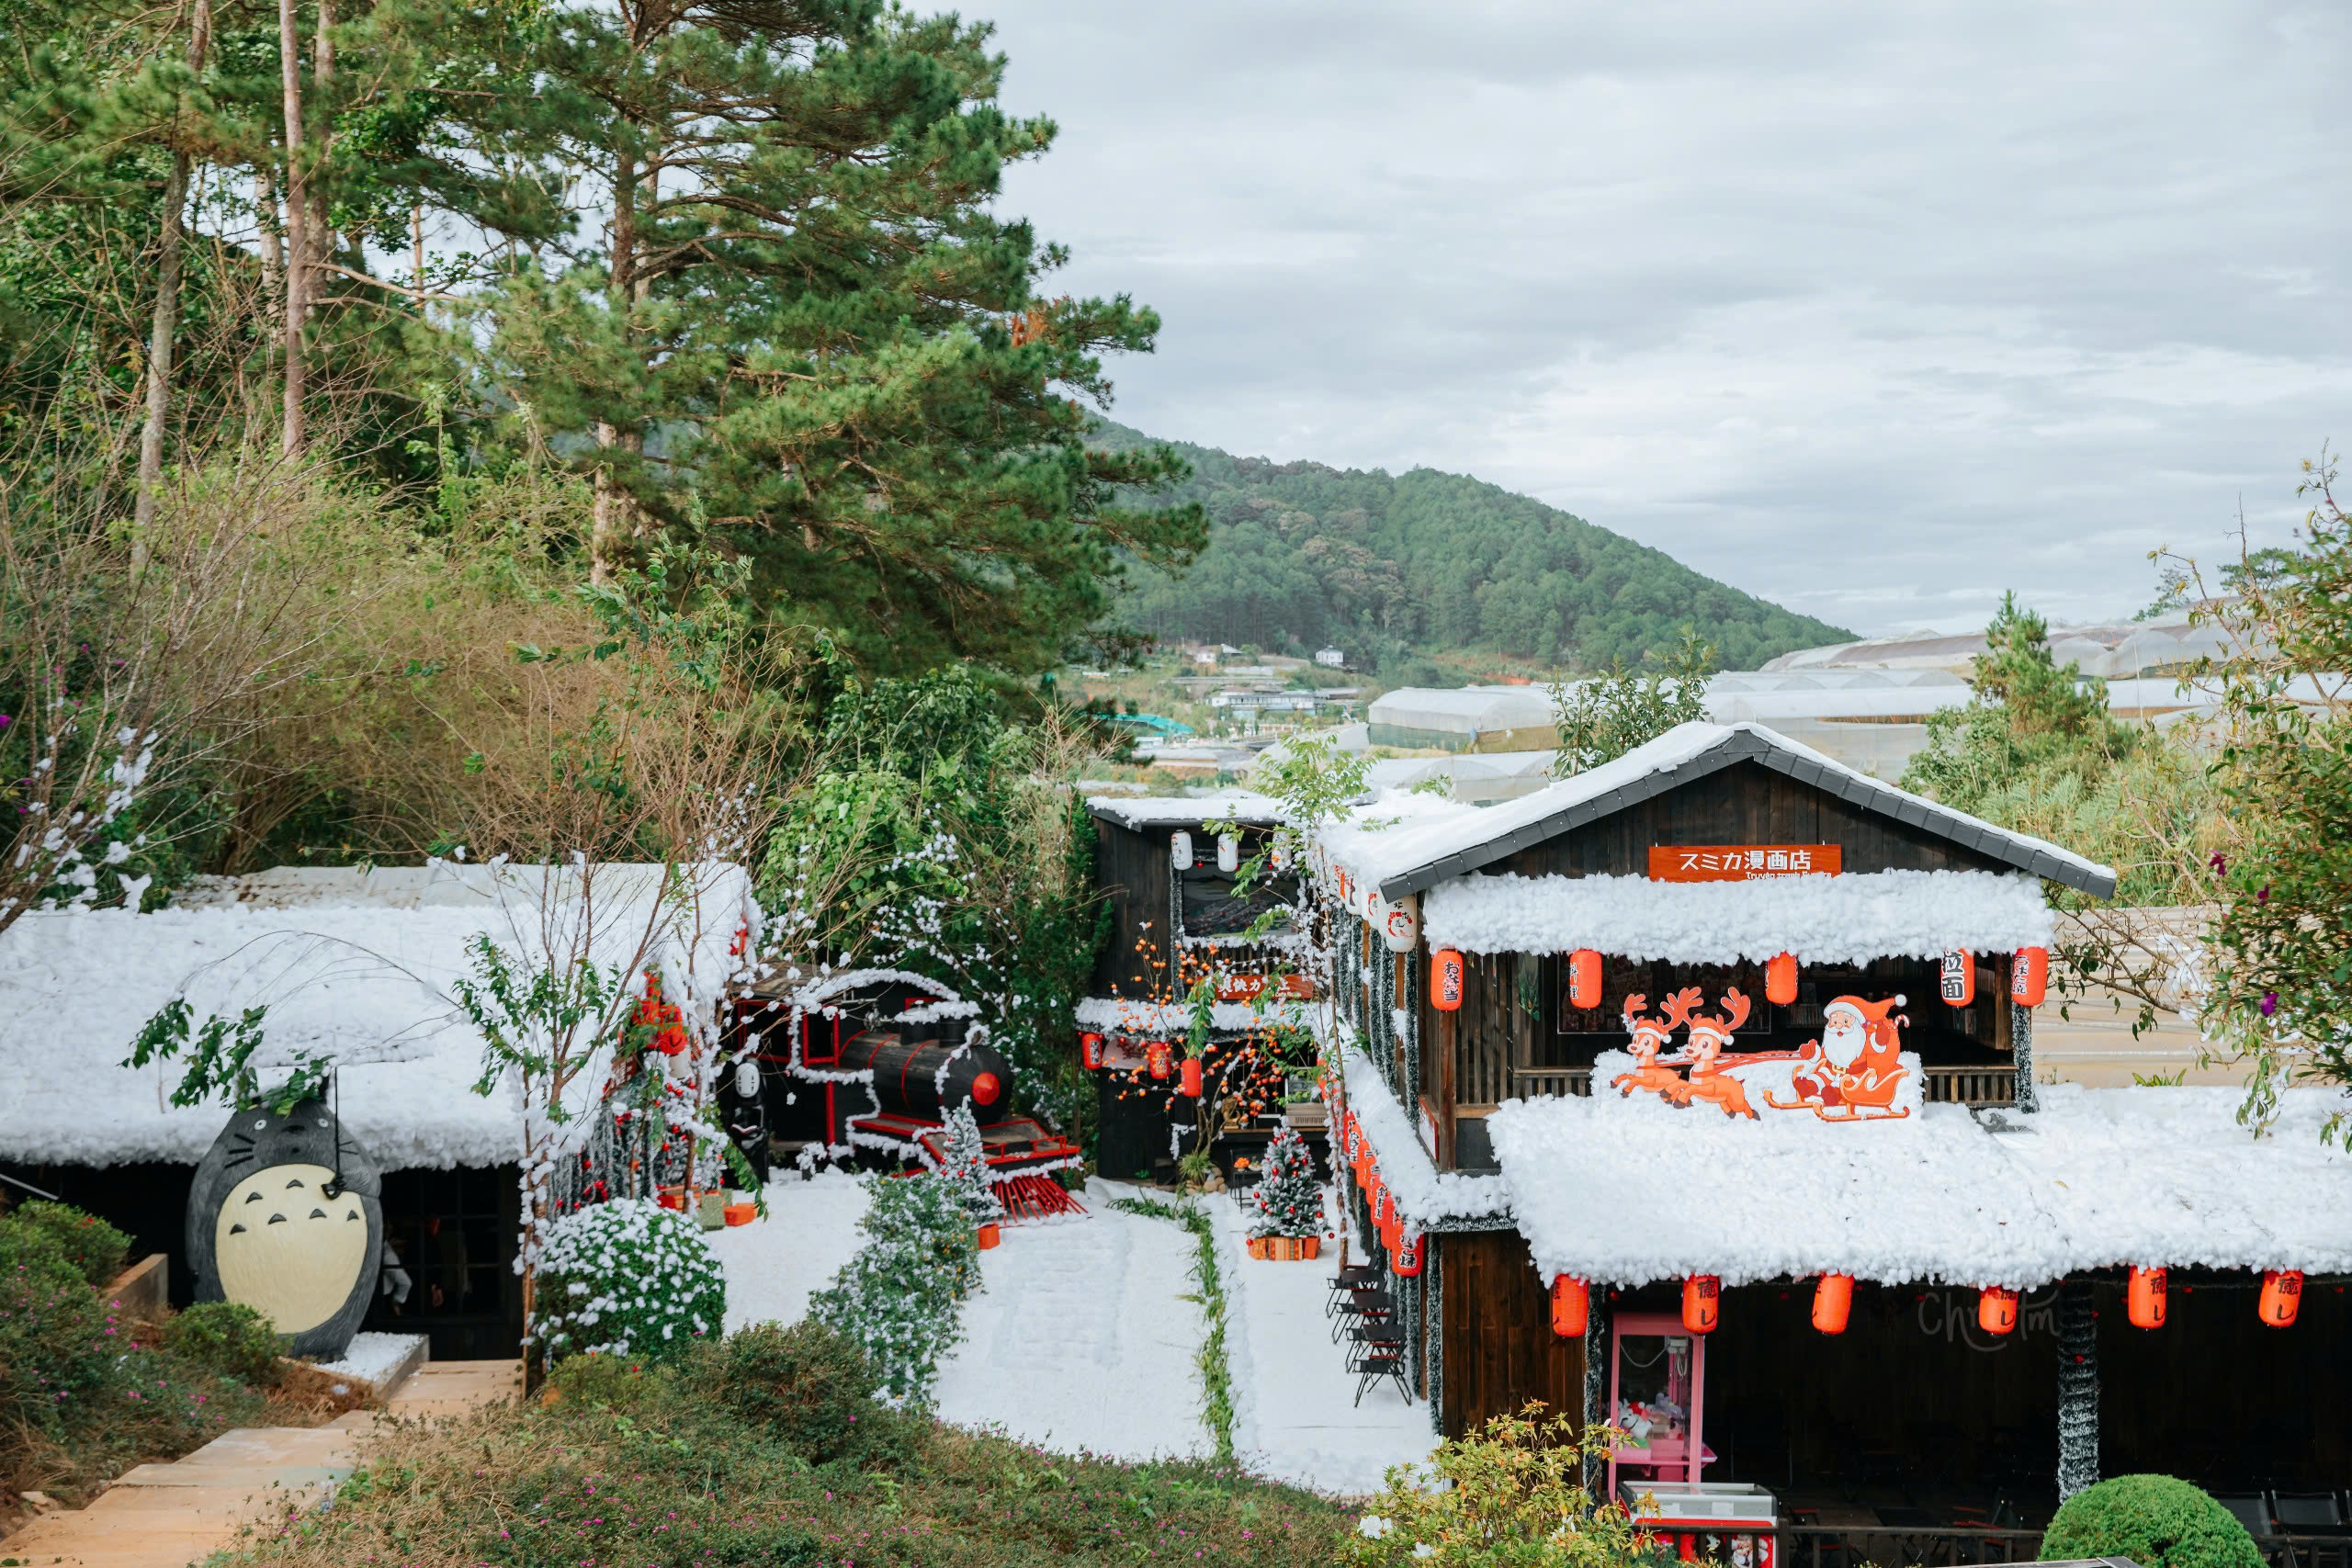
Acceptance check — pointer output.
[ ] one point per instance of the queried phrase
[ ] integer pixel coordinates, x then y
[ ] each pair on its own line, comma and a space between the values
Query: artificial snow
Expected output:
372, 1358
358, 965
1117, 1015
1821, 919
1630, 1190
1425, 1196
775, 1265
1186, 810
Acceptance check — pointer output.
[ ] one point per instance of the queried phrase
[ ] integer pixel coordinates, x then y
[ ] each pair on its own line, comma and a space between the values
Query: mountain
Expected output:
1397, 569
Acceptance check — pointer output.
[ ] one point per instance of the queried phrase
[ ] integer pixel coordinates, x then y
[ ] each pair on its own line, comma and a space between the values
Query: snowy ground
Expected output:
1083, 1339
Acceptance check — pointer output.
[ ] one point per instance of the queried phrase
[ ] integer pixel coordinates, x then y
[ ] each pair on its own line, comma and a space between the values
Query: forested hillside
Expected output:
1388, 567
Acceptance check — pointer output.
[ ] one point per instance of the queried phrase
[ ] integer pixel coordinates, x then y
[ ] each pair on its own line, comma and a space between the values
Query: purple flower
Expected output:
2220, 861
2269, 1003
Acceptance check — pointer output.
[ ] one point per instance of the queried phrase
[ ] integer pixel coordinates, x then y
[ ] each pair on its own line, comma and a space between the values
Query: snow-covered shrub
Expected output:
1287, 1200
967, 1166
899, 1298
626, 1278
806, 1386
2154, 1520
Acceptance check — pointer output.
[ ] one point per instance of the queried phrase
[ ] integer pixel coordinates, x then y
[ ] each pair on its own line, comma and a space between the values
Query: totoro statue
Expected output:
286, 1216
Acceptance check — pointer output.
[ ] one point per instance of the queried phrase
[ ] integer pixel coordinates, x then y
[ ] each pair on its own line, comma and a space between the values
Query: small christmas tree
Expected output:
966, 1167
1288, 1199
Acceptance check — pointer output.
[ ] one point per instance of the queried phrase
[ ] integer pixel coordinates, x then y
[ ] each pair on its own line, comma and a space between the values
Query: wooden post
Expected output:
2022, 1042
2077, 1389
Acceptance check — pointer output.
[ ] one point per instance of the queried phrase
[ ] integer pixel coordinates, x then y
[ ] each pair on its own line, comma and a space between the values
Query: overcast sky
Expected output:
1874, 309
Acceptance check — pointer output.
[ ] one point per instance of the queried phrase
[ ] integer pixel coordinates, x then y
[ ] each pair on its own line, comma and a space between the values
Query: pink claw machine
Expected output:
1657, 1389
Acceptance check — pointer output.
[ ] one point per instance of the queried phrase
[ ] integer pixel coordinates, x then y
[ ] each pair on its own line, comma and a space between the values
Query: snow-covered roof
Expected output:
1630, 1190
1122, 1015
1185, 810
1414, 856
350, 962
1821, 919
1427, 1197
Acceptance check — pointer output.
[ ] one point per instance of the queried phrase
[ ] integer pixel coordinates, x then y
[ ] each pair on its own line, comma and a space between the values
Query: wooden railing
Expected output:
1971, 1086
1535, 1081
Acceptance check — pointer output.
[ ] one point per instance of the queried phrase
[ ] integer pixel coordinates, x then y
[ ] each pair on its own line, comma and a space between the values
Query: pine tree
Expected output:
965, 1167
1288, 1201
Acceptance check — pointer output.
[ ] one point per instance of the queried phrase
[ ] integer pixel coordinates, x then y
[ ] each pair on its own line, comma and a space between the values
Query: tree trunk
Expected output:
298, 244
321, 141
609, 517
416, 252
164, 330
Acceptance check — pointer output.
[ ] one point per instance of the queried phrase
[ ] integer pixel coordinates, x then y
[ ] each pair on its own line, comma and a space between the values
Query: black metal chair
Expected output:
1345, 1280
1380, 1353
1362, 1304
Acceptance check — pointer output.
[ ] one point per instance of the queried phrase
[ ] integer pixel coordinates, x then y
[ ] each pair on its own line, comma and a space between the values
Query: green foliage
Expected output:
626, 1278
899, 1299
1301, 555
220, 1059
807, 1387
531, 1019
2154, 1520
229, 1338
1511, 1495
1216, 1375
1601, 719
94, 1249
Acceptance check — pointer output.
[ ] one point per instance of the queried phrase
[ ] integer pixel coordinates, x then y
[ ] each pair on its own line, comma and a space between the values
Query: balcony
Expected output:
1972, 1086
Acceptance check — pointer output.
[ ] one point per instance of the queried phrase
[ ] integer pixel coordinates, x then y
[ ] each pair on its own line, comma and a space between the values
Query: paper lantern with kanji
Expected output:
1702, 1302
2282, 1297
1158, 1054
1445, 980
1958, 987
1833, 1300
1571, 1307
2029, 975
1997, 1309
1405, 1258
1090, 1049
2144, 1298
1583, 978
1188, 1082
1781, 980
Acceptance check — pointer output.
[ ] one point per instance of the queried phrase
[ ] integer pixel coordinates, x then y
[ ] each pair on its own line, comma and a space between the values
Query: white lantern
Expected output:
1228, 853
1401, 926
1180, 851
1375, 908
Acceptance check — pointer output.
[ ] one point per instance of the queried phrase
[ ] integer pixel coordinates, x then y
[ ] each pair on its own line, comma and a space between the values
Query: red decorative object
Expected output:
741, 1213
2029, 975
1445, 980
1157, 1054
2145, 1298
1997, 1309
1781, 980
1405, 1258
987, 1089
1285, 1248
1833, 1300
990, 1234
1189, 1081
1702, 1302
1583, 978
1571, 1307
1958, 987
2282, 1297
1089, 1050
667, 1023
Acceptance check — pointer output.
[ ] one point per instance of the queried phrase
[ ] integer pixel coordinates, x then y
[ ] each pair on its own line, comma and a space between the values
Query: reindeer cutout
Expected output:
1709, 1035
1649, 1036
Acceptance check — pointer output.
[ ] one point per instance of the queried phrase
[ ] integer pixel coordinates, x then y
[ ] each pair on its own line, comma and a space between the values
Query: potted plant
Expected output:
1286, 1206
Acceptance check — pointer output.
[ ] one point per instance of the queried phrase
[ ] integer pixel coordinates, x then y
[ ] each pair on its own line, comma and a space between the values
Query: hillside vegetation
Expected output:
1390, 566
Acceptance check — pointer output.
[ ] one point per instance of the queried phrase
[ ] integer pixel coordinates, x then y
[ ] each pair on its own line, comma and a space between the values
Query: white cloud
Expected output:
1875, 310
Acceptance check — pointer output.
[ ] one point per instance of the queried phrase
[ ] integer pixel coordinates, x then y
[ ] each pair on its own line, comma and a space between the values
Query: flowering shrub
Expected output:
626, 1278
898, 1299
95, 1249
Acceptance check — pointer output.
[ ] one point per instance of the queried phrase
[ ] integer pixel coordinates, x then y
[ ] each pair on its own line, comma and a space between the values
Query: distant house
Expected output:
1330, 658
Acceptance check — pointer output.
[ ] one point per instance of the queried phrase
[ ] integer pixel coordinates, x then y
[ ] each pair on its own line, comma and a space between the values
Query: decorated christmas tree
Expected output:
1288, 1199
966, 1167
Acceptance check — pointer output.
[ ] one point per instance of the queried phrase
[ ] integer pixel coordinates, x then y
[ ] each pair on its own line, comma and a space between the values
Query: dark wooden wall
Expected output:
1499, 1348
1132, 869
1744, 804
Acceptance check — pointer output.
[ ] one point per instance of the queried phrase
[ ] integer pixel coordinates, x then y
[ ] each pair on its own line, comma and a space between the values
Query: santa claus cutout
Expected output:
1852, 1072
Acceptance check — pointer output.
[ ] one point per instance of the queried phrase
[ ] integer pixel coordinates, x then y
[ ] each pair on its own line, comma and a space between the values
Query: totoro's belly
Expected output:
287, 1250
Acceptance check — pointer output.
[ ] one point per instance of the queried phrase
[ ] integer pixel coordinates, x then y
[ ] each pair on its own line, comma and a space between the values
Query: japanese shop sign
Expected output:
1740, 862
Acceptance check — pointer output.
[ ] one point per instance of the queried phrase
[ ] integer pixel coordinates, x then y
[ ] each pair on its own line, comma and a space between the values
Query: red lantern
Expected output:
1405, 1258
1702, 1302
1833, 1299
1383, 1207
1445, 980
1089, 1050
1158, 1054
1189, 1083
2029, 975
1997, 1309
2282, 1297
1959, 987
1781, 980
1583, 978
2146, 1299
1571, 1307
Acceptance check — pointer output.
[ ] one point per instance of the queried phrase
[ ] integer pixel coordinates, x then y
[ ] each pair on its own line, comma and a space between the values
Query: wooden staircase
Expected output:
167, 1516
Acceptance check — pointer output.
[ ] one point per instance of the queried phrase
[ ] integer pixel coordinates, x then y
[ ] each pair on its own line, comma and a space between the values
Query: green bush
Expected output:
2156, 1522
58, 1342
626, 1279
806, 1386
899, 1297
95, 1249
230, 1338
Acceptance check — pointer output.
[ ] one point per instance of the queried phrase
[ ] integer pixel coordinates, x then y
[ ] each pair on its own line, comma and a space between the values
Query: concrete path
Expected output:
166, 1516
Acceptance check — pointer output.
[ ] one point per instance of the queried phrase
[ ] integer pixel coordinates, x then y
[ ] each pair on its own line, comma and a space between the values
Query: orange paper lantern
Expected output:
1958, 986
1702, 1302
1583, 978
1833, 1300
2145, 1298
1404, 1257
2029, 975
1997, 1309
2282, 1296
1571, 1307
1445, 980
1189, 1083
1158, 1054
1781, 980
1089, 1050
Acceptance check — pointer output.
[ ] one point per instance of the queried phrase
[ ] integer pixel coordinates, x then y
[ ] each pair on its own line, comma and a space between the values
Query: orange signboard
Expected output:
1250, 987
1741, 863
